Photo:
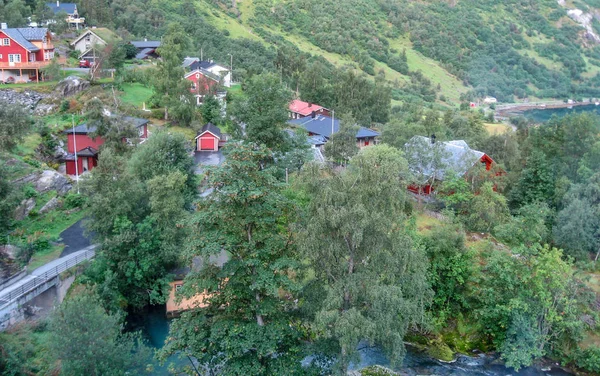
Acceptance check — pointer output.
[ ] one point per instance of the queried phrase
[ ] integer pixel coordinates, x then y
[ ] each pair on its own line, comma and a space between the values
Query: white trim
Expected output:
207, 131
84, 34
4, 41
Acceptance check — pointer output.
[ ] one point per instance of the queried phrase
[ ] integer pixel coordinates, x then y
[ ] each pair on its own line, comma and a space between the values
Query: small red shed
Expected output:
208, 139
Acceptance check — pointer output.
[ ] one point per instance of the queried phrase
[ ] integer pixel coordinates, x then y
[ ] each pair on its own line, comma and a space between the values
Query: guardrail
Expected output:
45, 277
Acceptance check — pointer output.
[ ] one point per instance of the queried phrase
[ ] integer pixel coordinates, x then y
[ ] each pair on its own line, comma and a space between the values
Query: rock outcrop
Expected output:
51, 205
71, 85
28, 99
47, 180
23, 210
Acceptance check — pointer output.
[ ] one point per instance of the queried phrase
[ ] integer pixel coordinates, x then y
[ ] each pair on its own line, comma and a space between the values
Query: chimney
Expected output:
145, 39
57, 3
309, 104
433, 139
313, 114
3, 25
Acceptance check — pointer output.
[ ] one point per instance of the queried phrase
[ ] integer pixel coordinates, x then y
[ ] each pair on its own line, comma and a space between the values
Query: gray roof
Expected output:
202, 64
144, 53
85, 128
146, 43
68, 8
445, 156
210, 127
23, 36
189, 61
322, 125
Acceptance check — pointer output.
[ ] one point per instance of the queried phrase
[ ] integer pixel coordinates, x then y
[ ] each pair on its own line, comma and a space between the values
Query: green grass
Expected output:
496, 128
42, 258
189, 133
135, 94
426, 223
29, 144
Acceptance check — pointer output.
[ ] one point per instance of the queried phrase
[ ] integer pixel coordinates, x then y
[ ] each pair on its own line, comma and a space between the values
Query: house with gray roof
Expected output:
23, 52
70, 9
324, 126
432, 162
146, 48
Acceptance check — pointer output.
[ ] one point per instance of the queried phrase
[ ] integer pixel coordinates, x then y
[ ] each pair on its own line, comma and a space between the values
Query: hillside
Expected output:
511, 49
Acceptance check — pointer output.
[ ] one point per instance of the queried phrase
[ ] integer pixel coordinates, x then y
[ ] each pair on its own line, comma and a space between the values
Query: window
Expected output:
193, 86
6, 42
88, 38
14, 58
0, 56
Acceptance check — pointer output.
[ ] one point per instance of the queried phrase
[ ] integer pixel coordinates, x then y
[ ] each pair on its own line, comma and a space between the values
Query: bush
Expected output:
64, 106
31, 161
29, 191
74, 200
589, 359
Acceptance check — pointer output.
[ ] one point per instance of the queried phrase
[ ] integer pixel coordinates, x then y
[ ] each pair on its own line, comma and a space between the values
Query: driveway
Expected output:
207, 158
74, 239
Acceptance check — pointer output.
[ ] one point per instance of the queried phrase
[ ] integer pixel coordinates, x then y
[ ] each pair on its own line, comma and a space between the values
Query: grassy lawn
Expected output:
29, 144
189, 133
426, 223
135, 94
496, 128
41, 258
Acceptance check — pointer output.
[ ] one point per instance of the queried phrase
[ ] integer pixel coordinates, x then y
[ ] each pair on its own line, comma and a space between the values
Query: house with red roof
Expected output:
23, 52
299, 109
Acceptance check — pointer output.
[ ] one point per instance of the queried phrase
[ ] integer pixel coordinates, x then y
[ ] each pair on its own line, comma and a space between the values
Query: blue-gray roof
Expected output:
201, 65
323, 126
85, 128
68, 8
23, 36
144, 53
146, 43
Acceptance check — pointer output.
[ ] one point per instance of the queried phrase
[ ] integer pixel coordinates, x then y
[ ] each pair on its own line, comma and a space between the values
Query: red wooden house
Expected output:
209, 138
23, 52
87, 147
432, 162
203, 82
299, 109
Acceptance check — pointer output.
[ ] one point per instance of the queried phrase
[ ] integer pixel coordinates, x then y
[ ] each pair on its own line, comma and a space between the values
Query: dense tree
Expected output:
15, 13
536, 182
88, 341
134, 211
342, 146
264, 111
248, 325
15, 123
528, 227
364, 255
487, 210
111, 128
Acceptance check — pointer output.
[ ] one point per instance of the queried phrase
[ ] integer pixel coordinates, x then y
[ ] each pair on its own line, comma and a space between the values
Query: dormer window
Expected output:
6, 41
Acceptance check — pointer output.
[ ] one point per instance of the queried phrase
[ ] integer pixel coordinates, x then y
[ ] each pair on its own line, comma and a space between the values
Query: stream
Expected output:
155, 327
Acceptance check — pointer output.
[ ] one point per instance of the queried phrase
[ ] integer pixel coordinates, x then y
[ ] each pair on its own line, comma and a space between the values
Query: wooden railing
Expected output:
24, 65
43, 278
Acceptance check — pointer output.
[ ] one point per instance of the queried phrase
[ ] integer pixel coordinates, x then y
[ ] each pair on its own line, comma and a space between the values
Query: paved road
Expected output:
74, 238
207, 158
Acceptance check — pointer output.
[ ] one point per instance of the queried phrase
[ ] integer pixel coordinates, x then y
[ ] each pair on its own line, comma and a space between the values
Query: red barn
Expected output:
431, 162
202, 83
209, 138
299, 109
23, 52
80, 140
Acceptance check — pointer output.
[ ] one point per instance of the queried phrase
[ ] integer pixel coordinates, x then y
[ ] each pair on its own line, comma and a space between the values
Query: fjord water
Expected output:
543, 115
155, 326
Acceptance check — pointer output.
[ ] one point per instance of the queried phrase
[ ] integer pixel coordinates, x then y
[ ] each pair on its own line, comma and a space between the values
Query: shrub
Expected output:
73, 200
589, 359
29, 191
64, 106
31, 161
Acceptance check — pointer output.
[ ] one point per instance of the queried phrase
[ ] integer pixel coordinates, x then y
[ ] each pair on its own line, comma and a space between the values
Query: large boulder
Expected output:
27, 99
71, 85
23, 210
51, 205
50, 180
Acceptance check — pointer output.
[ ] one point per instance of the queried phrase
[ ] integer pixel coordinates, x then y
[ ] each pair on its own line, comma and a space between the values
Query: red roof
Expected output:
304, 108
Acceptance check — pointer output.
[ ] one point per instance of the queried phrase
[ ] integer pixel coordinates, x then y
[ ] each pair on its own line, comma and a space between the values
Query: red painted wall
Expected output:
205, 136
83, 141
14, 48
70, 165
203, 84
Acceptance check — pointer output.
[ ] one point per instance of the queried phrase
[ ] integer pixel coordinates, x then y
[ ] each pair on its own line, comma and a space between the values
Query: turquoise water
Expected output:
155, 327
544, 115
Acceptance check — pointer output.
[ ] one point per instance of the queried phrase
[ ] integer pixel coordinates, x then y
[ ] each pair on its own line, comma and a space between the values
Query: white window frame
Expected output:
0, 56
6, 41
14, 58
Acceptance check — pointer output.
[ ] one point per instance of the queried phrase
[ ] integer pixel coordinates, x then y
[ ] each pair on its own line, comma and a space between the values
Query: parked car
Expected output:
85, 64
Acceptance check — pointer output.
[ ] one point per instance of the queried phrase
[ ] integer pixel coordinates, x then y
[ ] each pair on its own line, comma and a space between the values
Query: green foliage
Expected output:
73, 200
342, 146
364, 255
588, 359
211, 110
264, 110
528, 227
52, 71
248, 325
487, 210
15, 123
88, 341
24, 351
451, 266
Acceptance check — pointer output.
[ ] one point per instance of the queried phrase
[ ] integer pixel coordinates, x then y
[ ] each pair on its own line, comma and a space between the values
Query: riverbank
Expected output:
517, 109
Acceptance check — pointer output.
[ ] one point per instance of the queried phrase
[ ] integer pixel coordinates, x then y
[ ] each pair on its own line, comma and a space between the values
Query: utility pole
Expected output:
332, 121
231, 68
75, 150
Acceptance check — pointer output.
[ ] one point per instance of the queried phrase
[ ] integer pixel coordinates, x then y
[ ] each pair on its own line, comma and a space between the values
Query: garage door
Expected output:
207, 143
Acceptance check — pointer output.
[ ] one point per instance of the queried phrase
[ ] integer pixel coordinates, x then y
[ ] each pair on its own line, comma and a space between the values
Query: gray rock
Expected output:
28, 99
24, 209
71, 85
50, 180
9, 250
44, 109
51, 205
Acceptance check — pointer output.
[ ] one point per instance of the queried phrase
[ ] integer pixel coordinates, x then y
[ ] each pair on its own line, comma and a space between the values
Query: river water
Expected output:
543, 115
155, 327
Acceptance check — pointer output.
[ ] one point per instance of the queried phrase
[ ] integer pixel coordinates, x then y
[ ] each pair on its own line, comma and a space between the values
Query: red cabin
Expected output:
202, 83
79, 139
209, 138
